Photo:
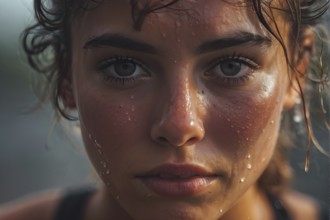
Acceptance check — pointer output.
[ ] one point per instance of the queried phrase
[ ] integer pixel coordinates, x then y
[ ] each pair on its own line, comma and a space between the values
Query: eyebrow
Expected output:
123, 42
119, 41
234, 40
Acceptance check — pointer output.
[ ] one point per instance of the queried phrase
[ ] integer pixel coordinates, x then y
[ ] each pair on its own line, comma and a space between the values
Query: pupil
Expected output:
230, 68
125, 68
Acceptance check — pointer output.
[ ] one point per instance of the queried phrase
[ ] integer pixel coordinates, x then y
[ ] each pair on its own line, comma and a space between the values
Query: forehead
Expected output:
202, 18
116, 12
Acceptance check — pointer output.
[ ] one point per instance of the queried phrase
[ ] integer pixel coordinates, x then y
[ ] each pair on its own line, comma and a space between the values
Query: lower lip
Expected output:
178, 187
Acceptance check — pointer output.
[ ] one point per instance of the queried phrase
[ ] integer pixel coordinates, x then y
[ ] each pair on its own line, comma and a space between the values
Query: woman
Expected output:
180, 104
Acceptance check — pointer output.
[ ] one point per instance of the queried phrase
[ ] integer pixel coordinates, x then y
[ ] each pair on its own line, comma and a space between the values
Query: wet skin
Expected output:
178, 100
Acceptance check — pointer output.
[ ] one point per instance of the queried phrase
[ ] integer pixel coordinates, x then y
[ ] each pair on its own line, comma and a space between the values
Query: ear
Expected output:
301, 65
67, 95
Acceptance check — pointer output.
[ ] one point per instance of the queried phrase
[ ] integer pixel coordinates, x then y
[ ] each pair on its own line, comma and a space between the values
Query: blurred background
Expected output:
36, 156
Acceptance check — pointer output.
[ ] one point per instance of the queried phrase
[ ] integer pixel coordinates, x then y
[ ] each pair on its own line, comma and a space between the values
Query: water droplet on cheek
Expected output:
297, 118
248, 156
242, 180
164, 35
249, 166
221, 211
272, 122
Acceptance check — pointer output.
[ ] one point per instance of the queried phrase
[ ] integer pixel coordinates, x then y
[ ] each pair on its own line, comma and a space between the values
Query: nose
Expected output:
179, 121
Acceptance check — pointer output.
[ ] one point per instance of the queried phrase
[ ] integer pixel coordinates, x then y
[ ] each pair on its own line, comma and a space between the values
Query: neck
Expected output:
104, 207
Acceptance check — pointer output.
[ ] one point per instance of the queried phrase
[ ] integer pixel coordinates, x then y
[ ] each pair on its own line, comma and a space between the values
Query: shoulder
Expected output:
300, 206
34, 207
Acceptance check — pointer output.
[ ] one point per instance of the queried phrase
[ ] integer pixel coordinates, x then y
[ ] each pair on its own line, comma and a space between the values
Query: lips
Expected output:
178, 180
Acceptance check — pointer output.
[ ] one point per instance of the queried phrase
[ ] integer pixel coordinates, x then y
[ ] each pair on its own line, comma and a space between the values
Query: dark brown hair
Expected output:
47, 44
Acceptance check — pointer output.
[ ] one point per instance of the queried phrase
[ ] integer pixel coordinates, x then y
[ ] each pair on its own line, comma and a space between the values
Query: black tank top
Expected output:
72, 206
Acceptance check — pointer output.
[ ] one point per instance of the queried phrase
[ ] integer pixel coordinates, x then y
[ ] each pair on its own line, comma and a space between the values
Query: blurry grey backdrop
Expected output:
34, 157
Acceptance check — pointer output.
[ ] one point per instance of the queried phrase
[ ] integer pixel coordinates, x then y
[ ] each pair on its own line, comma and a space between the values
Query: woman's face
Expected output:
181, 118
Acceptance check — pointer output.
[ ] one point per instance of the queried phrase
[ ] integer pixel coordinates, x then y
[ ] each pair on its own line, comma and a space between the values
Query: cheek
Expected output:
109, 128
249, 122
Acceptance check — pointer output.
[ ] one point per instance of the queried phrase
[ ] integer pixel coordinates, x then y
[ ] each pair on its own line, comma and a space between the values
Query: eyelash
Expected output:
253, 66
104, 65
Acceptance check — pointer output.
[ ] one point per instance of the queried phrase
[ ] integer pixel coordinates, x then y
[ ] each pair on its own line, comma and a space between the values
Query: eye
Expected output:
232, 69
122, 69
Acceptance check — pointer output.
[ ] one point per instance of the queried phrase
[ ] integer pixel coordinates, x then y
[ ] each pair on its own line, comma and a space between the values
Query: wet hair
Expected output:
47, 45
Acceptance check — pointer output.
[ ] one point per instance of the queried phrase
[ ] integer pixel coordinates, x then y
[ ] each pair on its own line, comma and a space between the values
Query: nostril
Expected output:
192, 141
162, 140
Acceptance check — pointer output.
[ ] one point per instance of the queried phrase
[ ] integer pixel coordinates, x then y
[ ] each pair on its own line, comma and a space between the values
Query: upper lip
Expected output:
177, 171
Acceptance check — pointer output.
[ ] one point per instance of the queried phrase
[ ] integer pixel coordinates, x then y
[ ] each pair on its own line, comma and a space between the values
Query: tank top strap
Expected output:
73, 203
280, 213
